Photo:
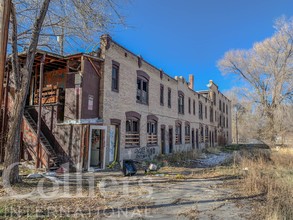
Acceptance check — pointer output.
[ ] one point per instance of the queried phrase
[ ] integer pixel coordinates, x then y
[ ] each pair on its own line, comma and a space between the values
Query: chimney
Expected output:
191, 81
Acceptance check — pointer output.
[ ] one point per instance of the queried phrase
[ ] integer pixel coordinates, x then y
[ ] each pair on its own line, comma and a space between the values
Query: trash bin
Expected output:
129, 168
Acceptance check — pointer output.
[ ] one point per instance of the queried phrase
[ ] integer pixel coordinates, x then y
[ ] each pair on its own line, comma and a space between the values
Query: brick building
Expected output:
113, 105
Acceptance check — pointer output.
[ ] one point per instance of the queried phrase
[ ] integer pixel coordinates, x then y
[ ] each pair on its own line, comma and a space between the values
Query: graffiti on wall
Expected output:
144, 153
112, 143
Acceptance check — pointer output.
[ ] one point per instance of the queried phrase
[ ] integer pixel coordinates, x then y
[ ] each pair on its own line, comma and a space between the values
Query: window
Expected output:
211, 114
206, 134
132, 137
223, 107
227, 122
169, 97
200, 110
220, 105
152, 130
224, 121
227, 109
201, 133
216, 135
189, 106
181, 103
178, 133
187, 133
214, 98
205, 112
220, 122
115, 76
193, 107
142, 90
162, 94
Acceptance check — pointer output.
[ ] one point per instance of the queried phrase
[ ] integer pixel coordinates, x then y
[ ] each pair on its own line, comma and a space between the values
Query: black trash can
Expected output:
129, 168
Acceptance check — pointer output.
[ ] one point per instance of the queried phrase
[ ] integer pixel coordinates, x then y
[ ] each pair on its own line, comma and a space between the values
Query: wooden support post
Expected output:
40, 110
5, 6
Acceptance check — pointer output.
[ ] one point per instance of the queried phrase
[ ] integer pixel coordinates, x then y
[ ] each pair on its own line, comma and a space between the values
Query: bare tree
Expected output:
36, 24
266, 71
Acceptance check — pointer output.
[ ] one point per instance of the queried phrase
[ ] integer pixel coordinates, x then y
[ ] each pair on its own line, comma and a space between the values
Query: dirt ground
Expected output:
170, 193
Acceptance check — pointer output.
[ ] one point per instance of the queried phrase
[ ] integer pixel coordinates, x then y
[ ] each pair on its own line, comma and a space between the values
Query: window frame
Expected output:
132, 135
152, 130
200, 109
187, 132
181, 103
178, 133
115, 86
162, 94
141, 90
169, 97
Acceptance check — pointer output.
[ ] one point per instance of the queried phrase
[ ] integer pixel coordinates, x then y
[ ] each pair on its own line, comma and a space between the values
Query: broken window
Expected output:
178, 133
206, 134
187, 133
142, 90
132, 132
152, 130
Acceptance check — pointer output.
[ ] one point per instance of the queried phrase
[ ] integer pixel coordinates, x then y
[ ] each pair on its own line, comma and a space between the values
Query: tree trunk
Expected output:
12, 147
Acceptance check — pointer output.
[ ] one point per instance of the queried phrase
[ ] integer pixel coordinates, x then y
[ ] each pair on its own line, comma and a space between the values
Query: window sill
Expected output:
152, 145
132, 146
141, 103
115, 90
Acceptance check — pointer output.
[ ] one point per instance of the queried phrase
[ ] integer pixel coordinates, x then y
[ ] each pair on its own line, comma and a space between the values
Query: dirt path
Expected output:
174, 193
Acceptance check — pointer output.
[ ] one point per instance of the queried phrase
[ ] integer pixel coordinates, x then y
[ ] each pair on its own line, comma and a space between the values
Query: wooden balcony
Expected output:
50, 95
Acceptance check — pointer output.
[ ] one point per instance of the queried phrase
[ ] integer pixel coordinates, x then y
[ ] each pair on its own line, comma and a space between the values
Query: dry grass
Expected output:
270, 173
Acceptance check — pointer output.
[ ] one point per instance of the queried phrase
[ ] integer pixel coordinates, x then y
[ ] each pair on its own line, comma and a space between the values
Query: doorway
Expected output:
97, 140
163, 140
192, 138
170, 140
196, 138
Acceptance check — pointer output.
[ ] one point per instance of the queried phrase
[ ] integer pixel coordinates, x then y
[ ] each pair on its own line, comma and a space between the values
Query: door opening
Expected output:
170, 140
192, 138
163, 140
97, 140
196, 138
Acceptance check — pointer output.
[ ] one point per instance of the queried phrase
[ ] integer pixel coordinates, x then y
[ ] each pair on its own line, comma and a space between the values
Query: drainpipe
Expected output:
40, 110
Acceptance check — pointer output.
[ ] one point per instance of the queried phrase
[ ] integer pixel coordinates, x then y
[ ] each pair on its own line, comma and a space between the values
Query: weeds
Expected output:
270, 173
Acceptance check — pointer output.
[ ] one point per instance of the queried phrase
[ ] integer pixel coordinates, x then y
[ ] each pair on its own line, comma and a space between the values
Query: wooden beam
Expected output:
5, 6
94, 66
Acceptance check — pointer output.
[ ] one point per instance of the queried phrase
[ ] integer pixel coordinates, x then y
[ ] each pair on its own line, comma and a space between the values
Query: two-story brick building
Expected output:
113, 105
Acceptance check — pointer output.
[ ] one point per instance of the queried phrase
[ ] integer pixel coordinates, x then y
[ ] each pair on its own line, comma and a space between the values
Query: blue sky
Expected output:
190, 36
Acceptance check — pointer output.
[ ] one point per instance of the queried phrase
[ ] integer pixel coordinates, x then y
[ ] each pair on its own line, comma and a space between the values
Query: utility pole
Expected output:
5, 6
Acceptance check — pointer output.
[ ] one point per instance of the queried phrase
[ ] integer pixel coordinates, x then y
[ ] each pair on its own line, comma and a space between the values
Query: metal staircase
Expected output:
54, 161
